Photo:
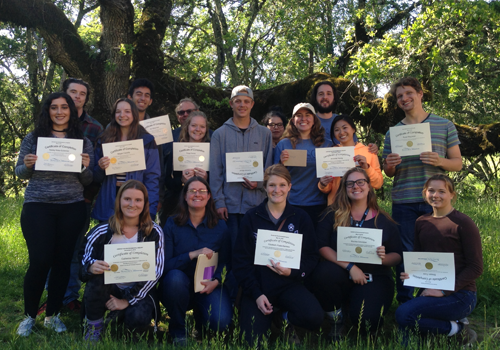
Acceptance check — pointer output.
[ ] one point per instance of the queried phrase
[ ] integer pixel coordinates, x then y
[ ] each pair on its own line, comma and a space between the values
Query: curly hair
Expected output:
184, 134
406, 81
43, 126
142, 82
341, 206
116, 220
113, 132
317, 133
183, 210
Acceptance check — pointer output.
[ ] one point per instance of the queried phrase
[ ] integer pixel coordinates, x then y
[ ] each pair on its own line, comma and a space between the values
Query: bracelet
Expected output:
349, 266
443, 292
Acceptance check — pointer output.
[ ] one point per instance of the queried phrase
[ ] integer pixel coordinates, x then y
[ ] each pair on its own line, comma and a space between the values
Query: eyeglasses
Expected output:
277, 125
360, 183
185, 111
193, 191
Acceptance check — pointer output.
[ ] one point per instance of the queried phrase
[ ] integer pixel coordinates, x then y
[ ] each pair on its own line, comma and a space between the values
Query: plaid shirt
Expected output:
91, 128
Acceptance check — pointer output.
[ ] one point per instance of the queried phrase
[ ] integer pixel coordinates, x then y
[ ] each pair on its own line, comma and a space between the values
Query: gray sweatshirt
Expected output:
52, 186
229, 138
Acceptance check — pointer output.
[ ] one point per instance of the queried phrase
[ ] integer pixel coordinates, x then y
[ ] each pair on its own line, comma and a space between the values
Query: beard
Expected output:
327, 109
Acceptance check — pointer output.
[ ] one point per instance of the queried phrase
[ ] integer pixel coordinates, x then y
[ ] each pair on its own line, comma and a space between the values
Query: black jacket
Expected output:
257, 280
94, 250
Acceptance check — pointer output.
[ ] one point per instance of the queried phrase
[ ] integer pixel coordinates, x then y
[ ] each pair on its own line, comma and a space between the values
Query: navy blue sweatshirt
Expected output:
257, 280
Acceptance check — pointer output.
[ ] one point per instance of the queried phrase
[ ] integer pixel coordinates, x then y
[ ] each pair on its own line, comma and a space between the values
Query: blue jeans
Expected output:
433, 315
406, 215
178, 296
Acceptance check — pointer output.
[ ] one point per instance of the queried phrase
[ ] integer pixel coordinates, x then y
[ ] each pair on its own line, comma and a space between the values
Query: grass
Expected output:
13, 264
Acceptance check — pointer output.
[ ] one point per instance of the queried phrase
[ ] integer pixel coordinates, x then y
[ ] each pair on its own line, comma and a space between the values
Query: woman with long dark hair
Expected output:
125, 126
304, 132
444, 230
134, 302
53, 212
195, 230
367, 289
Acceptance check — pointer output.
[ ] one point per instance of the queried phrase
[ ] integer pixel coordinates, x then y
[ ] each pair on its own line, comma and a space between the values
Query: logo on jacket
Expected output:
291, 227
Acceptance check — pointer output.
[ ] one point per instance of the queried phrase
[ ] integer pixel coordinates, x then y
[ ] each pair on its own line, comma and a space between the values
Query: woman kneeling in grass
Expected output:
134, 302
445, 230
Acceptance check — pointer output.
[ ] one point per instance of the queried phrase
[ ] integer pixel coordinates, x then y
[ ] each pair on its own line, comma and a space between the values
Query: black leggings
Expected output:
331, 285
136, 317
50, 231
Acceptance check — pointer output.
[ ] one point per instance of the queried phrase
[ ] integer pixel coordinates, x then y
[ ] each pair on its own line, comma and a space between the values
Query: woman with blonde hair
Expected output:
124, 126
194, 129
367, 289
304, 132
134, 302
445, 230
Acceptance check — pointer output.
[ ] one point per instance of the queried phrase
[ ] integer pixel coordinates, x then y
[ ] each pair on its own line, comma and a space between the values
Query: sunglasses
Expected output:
185, 111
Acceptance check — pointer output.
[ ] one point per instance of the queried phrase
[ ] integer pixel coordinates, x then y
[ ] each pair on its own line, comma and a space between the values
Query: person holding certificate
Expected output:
53, 211
125, 126
195, 230
304, 132
343, 133
368, 289
133, 302
266, 287
195, 129
446, 229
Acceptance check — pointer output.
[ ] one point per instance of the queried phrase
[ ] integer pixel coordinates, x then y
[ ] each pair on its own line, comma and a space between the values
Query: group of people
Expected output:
200, 212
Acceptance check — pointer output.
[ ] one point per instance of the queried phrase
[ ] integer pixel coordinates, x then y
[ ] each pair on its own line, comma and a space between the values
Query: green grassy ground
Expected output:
14, 261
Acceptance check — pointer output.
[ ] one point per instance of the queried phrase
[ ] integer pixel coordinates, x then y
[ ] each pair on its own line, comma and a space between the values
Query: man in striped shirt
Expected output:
411, 172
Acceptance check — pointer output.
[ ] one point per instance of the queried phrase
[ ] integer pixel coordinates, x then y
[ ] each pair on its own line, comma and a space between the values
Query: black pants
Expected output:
331, 285
303, 309
314, 212
136, 317
50, 231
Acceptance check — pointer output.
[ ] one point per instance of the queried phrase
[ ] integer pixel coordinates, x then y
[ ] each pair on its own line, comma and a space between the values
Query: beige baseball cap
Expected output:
242, 90
303, 105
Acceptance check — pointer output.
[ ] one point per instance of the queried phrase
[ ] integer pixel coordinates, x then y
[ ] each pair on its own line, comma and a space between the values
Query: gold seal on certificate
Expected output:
130, 262
59, 154
430, 270
334, 161
411, 140
359, 245
190, 155
160, 128
281, 247
124, 156
241, 165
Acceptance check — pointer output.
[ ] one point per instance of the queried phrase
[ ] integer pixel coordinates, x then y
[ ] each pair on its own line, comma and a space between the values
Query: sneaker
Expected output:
26, 326
466, 337
94, 331
42, 309
74, 305
55, 323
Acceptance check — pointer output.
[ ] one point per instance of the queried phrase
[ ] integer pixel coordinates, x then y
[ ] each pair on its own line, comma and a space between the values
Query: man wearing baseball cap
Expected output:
241, 133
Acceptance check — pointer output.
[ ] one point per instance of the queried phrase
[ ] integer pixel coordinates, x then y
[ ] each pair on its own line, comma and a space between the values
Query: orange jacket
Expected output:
374, 172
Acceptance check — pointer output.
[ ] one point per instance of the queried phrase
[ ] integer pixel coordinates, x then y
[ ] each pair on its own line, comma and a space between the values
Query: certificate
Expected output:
59, 154
160, 128
124, 156
205, 269
297, 157
244, 164
188, 155
334, 161
430, 270
130, 262
411, 140
358, 245
281, 247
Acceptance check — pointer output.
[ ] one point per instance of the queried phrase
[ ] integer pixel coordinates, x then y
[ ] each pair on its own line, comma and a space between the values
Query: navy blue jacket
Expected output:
180, 240
257, 280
